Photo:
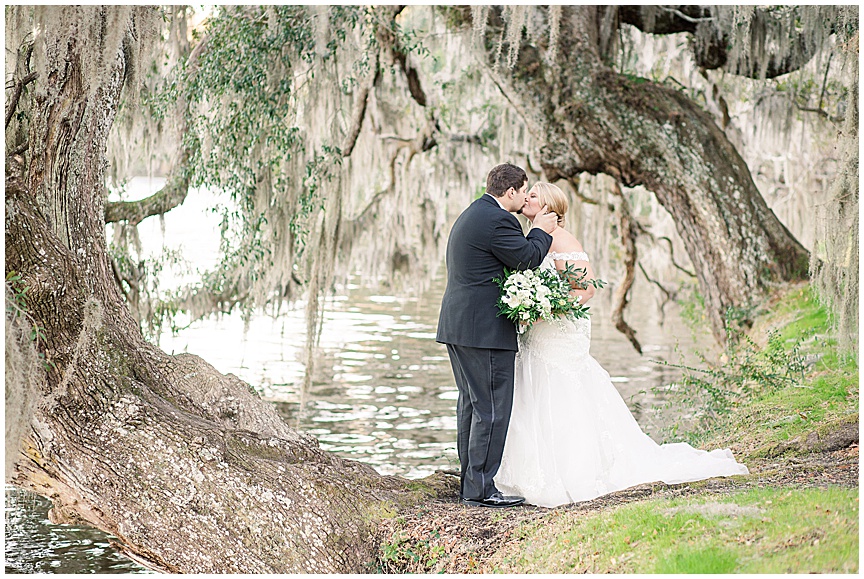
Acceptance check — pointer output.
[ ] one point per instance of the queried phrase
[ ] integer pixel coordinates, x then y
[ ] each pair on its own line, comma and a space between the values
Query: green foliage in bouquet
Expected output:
542, 294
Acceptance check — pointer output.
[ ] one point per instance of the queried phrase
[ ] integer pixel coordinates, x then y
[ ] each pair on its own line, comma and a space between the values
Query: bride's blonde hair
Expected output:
550, 195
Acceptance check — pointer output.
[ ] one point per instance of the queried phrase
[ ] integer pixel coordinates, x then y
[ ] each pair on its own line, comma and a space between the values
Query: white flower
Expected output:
511, 301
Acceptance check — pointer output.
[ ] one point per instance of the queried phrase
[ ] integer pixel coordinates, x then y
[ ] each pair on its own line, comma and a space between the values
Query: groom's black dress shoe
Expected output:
496, 501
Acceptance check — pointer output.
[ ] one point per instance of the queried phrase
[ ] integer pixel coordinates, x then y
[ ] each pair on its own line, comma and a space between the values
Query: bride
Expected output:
571, 436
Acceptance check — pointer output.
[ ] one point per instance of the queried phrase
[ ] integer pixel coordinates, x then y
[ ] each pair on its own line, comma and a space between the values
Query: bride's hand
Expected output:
546, 220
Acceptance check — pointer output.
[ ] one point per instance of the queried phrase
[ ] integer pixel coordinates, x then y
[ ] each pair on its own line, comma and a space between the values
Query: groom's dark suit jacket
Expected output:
484, 240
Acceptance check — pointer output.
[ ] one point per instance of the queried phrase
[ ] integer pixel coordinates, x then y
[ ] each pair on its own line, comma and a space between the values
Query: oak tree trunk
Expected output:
592, 119
191, 470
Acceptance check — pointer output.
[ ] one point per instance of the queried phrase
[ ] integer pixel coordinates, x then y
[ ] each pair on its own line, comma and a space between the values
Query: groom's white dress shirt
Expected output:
496, 201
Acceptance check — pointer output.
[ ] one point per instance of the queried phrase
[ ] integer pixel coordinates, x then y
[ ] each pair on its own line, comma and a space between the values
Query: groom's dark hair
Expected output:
504, 176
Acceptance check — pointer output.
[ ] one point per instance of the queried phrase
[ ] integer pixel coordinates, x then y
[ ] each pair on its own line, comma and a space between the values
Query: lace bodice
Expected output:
567, 338
570, 256
553, 256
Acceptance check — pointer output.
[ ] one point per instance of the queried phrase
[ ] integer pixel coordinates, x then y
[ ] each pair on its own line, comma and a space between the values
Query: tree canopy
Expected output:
273, 100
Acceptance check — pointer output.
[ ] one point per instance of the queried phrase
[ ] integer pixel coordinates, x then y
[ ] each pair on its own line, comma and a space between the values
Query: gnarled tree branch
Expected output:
23, 77
656, 21
170, 196
682, 269
819, 111
591, 119
399, 54
20, 148
16, 94
628, 241
358, 112
670, 294
714, 53
682, 15
176, 188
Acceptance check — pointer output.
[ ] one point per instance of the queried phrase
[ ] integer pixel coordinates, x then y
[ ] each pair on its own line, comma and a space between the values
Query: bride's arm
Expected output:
567, 244
586, 293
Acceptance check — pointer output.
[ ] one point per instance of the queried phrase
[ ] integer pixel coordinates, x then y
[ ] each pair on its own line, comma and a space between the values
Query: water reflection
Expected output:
35, 545
382, 391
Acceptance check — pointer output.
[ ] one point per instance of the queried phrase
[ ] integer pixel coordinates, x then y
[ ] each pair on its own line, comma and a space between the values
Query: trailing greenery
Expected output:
828, 396
16, 305
140, 281
244, 127
772, 530
745, 370
266, 101
270, 91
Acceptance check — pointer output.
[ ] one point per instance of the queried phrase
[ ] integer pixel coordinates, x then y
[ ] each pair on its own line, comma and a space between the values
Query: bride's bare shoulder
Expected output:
564, 242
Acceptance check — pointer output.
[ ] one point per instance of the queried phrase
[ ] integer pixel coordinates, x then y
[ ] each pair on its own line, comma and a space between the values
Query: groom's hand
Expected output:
546, 220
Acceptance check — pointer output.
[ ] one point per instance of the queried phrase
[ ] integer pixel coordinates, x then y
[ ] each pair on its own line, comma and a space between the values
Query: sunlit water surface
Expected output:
382, 393
35, 545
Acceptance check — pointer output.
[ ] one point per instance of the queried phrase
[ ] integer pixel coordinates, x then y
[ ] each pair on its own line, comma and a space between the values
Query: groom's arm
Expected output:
514, 249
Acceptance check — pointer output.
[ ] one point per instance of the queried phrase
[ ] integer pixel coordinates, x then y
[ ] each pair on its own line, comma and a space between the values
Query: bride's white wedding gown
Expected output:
571, 436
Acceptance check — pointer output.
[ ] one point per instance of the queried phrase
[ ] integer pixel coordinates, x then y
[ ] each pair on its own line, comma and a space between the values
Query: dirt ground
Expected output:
462, 538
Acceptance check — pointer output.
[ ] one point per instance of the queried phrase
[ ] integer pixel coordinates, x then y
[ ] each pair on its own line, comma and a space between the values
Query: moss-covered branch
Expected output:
170, 196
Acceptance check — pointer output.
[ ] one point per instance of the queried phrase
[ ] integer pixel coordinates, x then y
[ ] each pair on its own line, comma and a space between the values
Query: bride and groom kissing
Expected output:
538, 419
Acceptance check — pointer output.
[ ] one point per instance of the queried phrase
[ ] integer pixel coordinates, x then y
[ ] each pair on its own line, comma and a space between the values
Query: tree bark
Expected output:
592, 119
172, 195
190, 469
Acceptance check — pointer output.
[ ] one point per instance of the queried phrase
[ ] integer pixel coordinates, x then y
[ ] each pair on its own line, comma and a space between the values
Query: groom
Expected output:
485, 239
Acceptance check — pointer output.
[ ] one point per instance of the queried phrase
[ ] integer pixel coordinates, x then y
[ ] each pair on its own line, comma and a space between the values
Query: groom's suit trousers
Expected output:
485, 381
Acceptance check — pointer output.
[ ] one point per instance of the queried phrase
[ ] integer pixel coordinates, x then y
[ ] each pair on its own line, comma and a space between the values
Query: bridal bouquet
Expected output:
541, 294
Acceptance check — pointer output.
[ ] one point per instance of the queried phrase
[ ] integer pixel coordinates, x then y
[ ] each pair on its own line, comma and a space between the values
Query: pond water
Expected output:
383, 392
35, 545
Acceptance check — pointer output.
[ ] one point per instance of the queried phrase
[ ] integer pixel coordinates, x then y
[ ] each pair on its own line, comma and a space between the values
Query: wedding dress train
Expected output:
571, 436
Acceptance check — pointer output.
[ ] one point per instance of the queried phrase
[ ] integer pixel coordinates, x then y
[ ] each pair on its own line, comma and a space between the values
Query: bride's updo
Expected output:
550, 195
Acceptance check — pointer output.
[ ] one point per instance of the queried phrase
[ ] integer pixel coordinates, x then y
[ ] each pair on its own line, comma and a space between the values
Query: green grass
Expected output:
755, 531
760, 530
798, 314
828, 393
698, 560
